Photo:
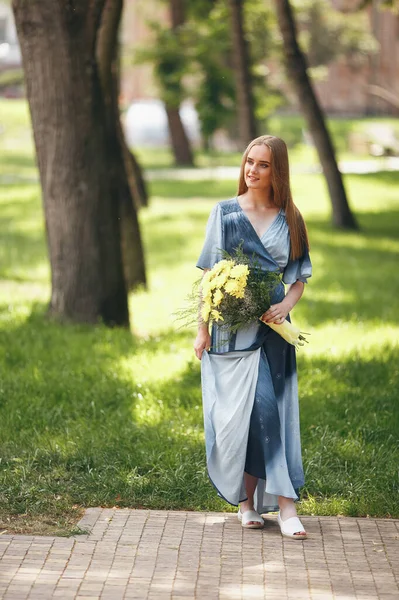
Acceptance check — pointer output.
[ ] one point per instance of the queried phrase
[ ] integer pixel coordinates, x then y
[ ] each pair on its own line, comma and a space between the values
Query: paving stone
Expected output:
140, 554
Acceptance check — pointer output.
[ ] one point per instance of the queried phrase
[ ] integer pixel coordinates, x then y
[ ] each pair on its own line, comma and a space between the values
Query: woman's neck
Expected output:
259, 198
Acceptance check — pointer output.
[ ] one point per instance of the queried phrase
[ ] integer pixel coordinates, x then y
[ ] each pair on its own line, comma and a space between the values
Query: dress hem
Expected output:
265, 509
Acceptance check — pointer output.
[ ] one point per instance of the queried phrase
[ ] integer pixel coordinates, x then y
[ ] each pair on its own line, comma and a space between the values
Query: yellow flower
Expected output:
208, 281
217, 297
223, 266
205, 311
220, 280
206, 289
207, 277
236, 287
216, 315
239, 271
240, 291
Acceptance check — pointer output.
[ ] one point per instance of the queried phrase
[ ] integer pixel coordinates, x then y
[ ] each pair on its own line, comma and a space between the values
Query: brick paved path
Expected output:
159, 555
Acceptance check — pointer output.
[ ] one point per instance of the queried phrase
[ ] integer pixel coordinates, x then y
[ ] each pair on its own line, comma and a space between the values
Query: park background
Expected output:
93, 415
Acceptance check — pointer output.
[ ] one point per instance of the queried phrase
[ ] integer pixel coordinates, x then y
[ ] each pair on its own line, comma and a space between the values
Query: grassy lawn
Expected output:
92, 416
16, 145
290, 128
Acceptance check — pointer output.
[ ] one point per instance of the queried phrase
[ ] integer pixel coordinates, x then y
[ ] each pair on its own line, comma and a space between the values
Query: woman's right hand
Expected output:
202, 342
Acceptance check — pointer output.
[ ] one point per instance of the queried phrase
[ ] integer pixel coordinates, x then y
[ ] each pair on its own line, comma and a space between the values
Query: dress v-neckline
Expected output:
260, 237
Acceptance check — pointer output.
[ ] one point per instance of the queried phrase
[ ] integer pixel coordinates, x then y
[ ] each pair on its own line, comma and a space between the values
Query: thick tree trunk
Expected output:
57, 42
125, 191
180, 143
242, 73
297, 73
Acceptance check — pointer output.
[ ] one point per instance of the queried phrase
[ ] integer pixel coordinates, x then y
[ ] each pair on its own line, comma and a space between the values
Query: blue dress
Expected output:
249, 381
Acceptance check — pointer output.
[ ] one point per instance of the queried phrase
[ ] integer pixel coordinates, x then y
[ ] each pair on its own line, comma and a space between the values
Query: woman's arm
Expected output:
278, 312
203, 340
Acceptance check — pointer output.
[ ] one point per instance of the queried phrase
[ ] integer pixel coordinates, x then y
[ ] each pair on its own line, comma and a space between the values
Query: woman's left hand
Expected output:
276, 313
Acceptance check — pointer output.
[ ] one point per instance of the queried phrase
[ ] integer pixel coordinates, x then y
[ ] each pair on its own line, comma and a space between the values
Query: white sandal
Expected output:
290, 527
250, 519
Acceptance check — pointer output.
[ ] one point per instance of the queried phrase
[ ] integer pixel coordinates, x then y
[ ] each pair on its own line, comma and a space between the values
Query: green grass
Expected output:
91, 416
16, 143
290, 128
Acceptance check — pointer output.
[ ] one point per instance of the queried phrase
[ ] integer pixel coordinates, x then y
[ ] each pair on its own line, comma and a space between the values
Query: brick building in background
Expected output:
137, 80
353, 90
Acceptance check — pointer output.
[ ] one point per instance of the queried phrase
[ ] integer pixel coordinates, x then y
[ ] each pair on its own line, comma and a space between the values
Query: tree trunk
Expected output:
179, 139
57, 42
180, 142
125, 191
135, 176
108, 63
296, 66
132, 248
242, 74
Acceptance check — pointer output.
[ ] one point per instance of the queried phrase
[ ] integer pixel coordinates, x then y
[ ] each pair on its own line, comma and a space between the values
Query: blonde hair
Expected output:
281, 192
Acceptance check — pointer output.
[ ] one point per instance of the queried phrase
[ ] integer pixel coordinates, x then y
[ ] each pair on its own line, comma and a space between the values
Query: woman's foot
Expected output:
251, 521
248, 505
288, 511
292, 528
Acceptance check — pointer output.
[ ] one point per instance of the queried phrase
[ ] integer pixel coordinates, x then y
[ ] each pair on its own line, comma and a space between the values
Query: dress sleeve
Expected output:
212, 249
298, 270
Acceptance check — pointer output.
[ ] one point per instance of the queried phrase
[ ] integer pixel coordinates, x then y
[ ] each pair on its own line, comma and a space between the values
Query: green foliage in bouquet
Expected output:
234, 293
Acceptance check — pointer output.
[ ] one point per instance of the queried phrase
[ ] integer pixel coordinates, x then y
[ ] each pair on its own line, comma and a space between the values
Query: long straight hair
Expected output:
281, 192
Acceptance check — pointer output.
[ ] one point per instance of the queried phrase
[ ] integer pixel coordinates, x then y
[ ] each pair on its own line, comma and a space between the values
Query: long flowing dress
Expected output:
249, 381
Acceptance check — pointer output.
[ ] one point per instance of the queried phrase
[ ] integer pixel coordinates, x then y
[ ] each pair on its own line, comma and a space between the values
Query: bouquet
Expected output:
236, 292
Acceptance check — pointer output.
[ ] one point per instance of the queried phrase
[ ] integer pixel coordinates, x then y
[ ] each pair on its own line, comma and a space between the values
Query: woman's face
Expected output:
258, 168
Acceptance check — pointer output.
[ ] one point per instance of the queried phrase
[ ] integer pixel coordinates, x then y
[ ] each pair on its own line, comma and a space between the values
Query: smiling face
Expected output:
258, 170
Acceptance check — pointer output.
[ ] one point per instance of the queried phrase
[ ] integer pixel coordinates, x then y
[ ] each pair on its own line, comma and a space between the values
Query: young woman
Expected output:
249, 382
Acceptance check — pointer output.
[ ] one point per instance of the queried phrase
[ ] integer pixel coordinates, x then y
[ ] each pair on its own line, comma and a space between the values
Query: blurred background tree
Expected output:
167, 55
200, 55
296, 65
220, 56
242, 68
204, 57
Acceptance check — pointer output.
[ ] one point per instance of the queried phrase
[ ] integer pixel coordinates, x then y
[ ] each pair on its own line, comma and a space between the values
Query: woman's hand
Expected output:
202, 341
276, 313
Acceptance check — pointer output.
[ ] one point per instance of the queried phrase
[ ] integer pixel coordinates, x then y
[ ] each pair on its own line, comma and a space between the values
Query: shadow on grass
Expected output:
362, 267
78, 427
22, 243
350, 431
